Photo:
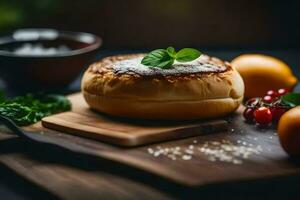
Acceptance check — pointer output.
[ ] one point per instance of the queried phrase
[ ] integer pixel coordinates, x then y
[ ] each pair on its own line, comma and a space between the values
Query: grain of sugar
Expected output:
150, 150
186, 157
195, 66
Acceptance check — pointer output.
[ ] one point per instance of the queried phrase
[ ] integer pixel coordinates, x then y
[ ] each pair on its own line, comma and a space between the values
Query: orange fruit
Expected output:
289, 131
262, 73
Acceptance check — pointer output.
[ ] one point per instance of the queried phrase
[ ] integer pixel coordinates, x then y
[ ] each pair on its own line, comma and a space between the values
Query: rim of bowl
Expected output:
93, 41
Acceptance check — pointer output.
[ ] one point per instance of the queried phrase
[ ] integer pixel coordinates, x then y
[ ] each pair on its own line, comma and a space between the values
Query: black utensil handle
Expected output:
12, 126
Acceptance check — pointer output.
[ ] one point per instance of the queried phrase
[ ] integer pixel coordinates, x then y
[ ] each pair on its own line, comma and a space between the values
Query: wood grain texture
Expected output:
272, 164
72, 183
84, 122
273, 161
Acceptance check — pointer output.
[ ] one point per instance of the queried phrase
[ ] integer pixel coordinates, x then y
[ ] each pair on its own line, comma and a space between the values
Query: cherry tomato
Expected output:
253, 102
282, 91
277, 112
263, 116
272, 93
268, 99
248, 114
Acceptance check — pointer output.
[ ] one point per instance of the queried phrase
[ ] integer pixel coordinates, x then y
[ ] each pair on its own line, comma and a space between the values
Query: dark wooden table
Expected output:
117, 182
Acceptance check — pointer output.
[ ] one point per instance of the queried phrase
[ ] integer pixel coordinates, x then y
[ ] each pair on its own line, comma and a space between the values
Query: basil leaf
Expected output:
156, 57
166, 64
187, 54
164, 58
171, 51
291, 99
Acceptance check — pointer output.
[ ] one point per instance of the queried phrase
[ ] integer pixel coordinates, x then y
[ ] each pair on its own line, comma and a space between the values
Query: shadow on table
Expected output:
275, 188
21, 186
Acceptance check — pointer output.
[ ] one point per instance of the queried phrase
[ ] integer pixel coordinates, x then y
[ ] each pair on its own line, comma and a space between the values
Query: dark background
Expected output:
224, 28
158, 23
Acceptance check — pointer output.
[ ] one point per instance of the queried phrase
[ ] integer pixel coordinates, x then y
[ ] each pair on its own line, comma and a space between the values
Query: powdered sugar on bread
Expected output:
203, 64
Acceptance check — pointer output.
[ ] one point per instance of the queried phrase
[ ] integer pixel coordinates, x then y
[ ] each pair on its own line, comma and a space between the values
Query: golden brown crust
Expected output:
104, 67
184, 96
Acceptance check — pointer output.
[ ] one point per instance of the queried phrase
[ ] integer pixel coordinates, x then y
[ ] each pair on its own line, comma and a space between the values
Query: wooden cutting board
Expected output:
272, 164
125, 132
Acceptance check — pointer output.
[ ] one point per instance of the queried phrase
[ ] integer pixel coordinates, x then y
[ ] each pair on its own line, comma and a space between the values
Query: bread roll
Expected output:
204, 88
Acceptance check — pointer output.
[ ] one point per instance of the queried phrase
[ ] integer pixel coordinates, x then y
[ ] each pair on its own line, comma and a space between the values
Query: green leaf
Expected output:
291, 99
171, 51
21, 115
165, 58
187, 54
28, 109
156, 57
166, 64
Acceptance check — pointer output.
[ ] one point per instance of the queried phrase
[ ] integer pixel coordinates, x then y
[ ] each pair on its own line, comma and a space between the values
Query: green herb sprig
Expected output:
291, 99
164, 58
28, 109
